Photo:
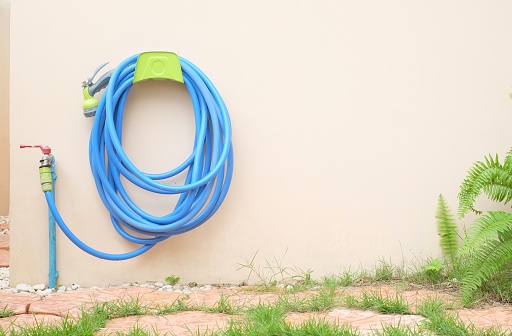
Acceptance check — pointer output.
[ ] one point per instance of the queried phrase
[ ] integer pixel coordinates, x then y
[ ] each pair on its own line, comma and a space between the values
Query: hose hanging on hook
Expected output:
209, 167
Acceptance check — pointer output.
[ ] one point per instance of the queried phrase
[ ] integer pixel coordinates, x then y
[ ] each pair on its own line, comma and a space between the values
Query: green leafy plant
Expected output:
172, 280
488, 241
447, 230
490, 178
433, 269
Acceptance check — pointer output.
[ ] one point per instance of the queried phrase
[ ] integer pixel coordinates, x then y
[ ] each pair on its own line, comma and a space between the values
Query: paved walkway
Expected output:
32, 309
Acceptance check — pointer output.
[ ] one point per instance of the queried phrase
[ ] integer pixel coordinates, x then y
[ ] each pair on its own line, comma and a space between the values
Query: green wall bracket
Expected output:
158, 65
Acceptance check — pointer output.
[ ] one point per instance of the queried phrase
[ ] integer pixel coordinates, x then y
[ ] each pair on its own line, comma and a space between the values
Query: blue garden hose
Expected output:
208, 169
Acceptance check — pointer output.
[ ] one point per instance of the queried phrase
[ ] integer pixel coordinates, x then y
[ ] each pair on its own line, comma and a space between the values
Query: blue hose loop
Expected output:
209, 168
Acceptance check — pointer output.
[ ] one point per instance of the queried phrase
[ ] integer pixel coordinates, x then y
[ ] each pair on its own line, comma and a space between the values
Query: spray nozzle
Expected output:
45, 149
88, 82
90, 103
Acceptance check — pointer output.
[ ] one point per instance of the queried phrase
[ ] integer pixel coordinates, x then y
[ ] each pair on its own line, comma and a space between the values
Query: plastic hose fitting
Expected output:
45, 173
45, 164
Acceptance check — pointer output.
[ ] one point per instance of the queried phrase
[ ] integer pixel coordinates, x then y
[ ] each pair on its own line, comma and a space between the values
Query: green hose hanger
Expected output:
158, 65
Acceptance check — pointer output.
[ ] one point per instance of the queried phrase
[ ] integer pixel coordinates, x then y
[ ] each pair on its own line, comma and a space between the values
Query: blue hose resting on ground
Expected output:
210, 166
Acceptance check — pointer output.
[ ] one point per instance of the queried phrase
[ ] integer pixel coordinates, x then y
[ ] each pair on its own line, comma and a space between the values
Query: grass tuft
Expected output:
123, 308
178, 305
225, 306
385, 304
6, 312
398, 330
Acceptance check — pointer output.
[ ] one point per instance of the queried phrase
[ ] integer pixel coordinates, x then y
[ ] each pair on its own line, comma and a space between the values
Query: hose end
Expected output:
90, 104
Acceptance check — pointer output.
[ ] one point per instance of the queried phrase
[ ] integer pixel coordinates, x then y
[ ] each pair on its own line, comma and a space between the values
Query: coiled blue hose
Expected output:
209, 167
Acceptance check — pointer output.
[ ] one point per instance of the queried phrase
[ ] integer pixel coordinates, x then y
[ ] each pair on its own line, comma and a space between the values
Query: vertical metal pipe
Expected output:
53, 273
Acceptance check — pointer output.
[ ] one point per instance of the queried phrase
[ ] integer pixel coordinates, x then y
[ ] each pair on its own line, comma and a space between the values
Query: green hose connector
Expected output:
45, 177
90, 103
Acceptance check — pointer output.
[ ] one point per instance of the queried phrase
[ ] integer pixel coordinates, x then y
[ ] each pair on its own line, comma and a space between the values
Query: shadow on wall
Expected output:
4, 106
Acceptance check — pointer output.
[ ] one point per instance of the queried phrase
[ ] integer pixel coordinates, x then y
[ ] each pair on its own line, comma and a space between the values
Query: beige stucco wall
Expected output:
349, 119
4, 106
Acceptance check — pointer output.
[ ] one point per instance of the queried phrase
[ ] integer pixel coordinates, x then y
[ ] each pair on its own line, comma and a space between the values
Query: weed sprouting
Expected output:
136, 330
178, 305
123, 308
396, 330
225, 306
385, 271
6, 312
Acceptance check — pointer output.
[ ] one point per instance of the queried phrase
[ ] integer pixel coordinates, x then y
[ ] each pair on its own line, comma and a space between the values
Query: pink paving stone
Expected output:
239, 298
4, 258
4, 242
416, 297
412, 297
160, 298
178, 324
364, 320
4, 226
72, 302
490, 317
373, 323
26, 320
18, 302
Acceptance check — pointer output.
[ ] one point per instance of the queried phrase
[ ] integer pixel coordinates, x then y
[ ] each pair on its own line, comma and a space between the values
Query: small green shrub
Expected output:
172, 280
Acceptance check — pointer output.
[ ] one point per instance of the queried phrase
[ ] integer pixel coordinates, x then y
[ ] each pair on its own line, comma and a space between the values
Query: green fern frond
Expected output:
489, 177
493, 225
446, 229
485, 262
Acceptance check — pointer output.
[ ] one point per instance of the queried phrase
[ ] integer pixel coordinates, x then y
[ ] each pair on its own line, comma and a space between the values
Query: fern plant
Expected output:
447, 230
491, 178
487, 246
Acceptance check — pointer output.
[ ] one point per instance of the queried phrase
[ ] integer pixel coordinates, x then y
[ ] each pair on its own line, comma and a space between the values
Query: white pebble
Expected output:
75, 286
23, 287
159, 284
39, 287
47, 291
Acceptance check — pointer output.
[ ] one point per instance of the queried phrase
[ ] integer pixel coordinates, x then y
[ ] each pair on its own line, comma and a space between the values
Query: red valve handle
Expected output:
44, 149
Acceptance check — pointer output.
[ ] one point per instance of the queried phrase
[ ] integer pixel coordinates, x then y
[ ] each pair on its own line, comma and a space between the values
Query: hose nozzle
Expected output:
90, 103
